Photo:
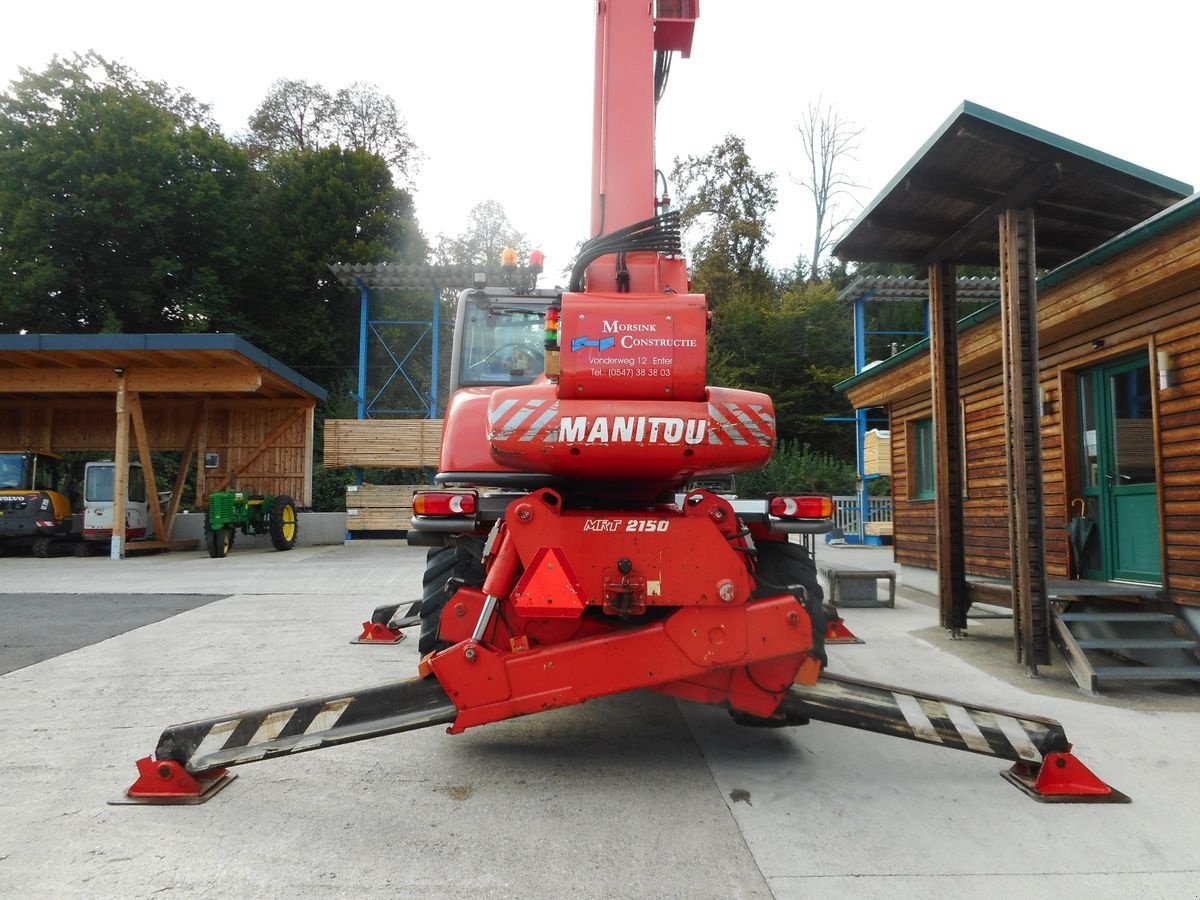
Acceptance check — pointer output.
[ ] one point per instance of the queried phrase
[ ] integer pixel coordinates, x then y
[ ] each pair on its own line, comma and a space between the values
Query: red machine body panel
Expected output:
531, 430
644, 347
628, 561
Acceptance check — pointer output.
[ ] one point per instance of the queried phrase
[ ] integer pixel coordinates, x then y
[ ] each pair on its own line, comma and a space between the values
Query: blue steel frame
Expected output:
860, 415
368, 326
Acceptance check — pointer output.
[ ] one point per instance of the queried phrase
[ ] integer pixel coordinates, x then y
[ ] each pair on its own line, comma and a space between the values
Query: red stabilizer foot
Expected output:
1061, 778
166, 782
378, 633
836, 632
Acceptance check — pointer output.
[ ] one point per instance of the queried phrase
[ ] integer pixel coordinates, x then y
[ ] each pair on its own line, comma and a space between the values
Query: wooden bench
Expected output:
858, 587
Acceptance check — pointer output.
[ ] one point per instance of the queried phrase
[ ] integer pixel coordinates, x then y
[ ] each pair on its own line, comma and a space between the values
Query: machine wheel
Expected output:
220, 542
781, 565
461, 560
41, 547
284, 525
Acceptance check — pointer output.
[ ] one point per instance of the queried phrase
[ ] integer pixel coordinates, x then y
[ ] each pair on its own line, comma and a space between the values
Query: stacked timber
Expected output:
382, 443
880, 529
877, 452
379, 507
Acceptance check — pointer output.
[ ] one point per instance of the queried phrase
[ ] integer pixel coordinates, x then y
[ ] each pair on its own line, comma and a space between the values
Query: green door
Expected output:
1120, 485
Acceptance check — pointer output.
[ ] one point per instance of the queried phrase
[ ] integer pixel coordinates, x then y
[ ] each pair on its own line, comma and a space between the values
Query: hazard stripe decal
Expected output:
543, 420
1018, 737
216, 738
916, 718
511, 426
967, 728
924, 717
499, 412
307, 725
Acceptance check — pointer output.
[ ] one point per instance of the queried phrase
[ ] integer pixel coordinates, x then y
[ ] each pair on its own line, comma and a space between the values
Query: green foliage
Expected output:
488, 232
794, 350
723, 196
798, 468
123, 209
301, 115
314, 207
120, 209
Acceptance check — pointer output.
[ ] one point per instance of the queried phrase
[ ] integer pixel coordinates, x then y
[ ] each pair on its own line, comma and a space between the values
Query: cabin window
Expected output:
921, 484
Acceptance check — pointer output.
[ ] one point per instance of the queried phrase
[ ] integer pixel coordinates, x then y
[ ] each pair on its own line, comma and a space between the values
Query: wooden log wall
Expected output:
382, 443
268, 451
269, 439
1143, 302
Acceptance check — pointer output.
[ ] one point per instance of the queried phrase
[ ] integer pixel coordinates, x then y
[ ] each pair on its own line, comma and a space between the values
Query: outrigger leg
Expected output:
189, 764
1043, 765
191, 760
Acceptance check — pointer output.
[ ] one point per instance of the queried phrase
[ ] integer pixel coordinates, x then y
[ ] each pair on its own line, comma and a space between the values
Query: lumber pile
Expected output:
880, 529
877, 452
379, 507
382, 443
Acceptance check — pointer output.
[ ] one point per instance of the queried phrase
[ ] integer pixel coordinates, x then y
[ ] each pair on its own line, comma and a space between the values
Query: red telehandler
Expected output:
569, 559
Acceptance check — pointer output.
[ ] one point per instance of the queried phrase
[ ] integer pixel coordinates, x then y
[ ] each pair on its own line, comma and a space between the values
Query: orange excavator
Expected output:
573, 553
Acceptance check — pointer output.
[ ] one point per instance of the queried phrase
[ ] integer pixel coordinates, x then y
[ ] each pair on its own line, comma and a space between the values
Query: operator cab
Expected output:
23, 471
499, 338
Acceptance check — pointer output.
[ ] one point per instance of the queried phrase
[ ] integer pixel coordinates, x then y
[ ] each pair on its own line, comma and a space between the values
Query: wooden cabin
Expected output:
1119, 409
1068, 409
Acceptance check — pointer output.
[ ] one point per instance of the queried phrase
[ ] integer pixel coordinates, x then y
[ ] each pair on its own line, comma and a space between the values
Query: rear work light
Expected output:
444, 503
801, 507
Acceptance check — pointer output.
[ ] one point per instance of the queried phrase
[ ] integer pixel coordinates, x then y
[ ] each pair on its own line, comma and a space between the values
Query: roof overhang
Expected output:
176, 365
942, 206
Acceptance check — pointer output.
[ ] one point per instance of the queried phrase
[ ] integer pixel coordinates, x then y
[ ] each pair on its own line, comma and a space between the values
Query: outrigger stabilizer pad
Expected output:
387, 624
836, 632
1062, 778
166, 782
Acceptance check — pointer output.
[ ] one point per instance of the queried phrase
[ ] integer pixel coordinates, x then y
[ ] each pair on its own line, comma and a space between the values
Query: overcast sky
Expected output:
498, 95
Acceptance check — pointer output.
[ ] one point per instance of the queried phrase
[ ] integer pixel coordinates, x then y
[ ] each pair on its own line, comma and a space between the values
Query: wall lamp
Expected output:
1166, 374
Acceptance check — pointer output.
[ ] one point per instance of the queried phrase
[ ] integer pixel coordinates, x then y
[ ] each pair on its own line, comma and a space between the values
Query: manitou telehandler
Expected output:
568, 558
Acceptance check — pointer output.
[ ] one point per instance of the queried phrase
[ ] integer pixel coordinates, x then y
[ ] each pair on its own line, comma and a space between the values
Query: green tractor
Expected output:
233, 511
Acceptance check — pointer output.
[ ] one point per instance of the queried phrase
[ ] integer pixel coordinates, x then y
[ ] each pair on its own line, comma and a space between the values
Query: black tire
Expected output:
284, 524
781, 565
461, 560
220, 542
41, 547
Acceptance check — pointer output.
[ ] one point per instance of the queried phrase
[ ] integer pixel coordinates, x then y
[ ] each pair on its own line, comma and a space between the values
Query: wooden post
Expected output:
1026, 518
189, 447
201, 461
120, 472
309, 421
138, 421
947, 428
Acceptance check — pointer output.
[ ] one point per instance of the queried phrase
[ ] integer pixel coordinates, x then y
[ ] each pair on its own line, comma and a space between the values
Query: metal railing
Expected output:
846, 511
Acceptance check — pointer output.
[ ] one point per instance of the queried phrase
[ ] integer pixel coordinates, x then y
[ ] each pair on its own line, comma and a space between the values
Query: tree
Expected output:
793, 348
315, 207
729, 201
301, 115
488, 232
291, 117
828, 141
120, 210
362, 118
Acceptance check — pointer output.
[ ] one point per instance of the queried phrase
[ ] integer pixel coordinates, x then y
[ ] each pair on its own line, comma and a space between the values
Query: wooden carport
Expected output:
987, 189
239, 413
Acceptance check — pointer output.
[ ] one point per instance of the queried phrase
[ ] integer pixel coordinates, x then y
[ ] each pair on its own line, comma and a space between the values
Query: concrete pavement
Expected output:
634, 796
